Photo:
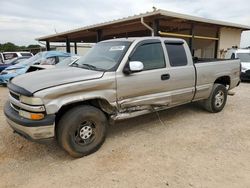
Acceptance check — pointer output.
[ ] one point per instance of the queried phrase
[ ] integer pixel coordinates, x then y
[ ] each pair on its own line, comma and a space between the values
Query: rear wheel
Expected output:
217, 99
82, 130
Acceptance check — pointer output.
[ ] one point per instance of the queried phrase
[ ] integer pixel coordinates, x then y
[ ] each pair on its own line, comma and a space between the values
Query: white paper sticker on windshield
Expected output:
117, 48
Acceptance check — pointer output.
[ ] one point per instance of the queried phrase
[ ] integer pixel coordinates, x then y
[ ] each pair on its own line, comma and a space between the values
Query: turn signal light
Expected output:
36, 116
29, 115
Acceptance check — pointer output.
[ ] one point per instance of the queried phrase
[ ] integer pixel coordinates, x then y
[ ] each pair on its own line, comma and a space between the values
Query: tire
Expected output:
217, 99
82, 130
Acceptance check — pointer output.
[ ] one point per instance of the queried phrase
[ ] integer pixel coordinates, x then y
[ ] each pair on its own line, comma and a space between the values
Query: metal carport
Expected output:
203, 35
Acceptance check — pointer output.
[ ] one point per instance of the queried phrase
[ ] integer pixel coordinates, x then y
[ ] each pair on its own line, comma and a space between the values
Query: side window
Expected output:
176, 54
8, 56
233, 56
151, 55
26, 54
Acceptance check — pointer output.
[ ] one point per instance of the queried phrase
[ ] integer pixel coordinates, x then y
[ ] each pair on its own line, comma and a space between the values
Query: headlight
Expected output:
29, 115
31, 100
11, 71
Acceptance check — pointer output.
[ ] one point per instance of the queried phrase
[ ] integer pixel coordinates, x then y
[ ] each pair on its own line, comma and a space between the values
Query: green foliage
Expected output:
10, 47
33, 46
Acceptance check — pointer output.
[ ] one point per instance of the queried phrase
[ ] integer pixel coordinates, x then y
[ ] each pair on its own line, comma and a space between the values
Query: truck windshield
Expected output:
244, 57
103, 56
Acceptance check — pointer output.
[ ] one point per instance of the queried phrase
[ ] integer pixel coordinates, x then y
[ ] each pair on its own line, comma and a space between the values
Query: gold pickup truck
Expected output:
117, 79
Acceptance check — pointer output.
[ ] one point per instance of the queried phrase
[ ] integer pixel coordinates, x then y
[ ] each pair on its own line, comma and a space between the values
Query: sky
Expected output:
23, 21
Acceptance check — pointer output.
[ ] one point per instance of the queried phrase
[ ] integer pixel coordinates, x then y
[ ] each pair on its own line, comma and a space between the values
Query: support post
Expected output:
47, 46
156, 27
67, 45
191, 40
75, 45
98, 35
217, 44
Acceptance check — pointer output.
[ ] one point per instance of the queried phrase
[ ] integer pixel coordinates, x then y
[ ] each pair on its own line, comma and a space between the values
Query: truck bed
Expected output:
206, 60
207, 71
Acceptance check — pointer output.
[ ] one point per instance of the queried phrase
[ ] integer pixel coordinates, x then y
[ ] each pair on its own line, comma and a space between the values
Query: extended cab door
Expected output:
150, 86
182, 72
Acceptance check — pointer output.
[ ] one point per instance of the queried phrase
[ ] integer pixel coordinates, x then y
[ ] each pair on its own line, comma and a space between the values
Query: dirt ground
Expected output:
191, 148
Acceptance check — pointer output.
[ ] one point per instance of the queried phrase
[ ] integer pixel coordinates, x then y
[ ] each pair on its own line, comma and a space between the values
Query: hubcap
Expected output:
219, 99
86, 132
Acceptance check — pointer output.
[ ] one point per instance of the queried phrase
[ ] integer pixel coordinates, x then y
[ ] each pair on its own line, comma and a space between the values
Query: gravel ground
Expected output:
191, 148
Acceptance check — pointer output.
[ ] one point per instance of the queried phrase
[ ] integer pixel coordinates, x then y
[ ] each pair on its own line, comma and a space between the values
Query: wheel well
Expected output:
224, 80
101, 104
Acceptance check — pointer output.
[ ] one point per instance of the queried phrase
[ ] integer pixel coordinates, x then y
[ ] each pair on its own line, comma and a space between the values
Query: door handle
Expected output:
165, 77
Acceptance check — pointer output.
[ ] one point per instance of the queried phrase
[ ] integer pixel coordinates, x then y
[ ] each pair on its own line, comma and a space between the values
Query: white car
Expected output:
6, 56
244, 56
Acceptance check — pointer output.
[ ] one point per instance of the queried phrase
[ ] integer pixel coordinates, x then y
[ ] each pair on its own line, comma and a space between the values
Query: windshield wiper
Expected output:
88, 66
91, 67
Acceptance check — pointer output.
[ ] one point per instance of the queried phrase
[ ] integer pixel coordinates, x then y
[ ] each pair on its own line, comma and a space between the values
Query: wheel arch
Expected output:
224, 80
99, 103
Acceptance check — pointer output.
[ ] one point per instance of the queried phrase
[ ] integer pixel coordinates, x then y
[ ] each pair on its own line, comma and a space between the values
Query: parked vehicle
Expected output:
12, 62
117, 79
64, 63
6, 56
244, 56
49, 57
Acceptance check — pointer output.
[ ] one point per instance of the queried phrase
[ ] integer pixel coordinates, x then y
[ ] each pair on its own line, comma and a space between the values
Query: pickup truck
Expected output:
117, 79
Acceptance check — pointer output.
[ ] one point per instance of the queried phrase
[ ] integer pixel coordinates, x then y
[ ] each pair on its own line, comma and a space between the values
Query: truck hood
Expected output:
39, 80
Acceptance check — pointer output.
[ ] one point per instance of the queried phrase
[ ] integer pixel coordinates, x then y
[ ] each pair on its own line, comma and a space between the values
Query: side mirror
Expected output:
133, 66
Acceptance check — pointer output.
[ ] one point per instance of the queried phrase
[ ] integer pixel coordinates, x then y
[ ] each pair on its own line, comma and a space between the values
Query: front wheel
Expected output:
217, 99
82, 130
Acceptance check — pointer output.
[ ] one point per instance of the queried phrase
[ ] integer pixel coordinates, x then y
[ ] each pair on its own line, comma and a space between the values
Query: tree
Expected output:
10, 47
33, 46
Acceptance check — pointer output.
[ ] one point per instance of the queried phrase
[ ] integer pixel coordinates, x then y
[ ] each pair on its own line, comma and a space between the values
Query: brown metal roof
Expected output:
132, 24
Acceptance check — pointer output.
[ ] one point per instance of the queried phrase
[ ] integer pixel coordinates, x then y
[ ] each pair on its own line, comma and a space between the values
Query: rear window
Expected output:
26, 54
176, 54
8, 56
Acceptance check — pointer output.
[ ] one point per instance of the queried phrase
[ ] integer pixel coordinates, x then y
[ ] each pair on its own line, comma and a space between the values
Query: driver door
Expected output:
148, 87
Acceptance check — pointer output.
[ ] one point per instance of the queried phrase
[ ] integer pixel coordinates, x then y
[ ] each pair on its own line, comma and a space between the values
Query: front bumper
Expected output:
34, 130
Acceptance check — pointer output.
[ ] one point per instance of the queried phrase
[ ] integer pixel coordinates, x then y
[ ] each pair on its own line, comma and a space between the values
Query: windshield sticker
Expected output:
117, 48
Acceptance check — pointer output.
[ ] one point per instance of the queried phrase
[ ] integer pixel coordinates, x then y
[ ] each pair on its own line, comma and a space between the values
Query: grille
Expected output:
14, 95
15, 107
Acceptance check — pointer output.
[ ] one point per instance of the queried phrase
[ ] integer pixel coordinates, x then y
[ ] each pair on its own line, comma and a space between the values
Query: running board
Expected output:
131, 114
121, 116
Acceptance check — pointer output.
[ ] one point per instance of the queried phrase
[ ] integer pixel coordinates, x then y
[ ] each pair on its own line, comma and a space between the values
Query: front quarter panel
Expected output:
56, 97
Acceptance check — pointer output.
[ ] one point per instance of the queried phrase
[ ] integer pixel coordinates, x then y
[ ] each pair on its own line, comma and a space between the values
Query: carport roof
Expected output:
154, 14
